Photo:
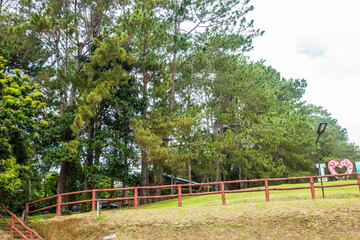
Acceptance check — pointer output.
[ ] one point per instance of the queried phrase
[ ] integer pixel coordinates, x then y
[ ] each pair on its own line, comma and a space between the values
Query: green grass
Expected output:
234, 198
288, 215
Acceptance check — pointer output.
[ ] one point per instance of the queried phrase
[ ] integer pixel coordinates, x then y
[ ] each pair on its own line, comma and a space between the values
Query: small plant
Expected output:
67, 211
85, 207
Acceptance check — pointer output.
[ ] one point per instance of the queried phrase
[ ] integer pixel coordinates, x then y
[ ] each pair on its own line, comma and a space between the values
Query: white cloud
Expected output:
311, 50
319, 41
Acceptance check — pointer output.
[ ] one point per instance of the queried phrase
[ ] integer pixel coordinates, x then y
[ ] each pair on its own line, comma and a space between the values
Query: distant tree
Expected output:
334, 143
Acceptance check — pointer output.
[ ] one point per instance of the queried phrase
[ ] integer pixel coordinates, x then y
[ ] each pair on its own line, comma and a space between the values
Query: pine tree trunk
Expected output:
189, 175
90, 152
111, 193
241, 185
144, 177
61, 187
214, 187
97, 146
144, 181
175, 181
125, 182
174, 63
203, 180
207, 181
30, 190
125, 195
172, 183
45, 194
159, 182
173, 78
218, 172
62, 92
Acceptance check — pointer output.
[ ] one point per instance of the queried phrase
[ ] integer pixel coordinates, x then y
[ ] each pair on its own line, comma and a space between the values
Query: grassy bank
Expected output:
289, 215
4, 236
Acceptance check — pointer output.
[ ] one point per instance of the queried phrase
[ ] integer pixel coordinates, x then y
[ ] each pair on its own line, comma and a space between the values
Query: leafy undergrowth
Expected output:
289, 215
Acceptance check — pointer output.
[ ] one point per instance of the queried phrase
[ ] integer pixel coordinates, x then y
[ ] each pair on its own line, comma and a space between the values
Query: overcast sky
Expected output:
318, 40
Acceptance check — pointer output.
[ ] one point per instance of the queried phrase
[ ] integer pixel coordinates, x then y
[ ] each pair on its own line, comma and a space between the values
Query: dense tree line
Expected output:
126, 91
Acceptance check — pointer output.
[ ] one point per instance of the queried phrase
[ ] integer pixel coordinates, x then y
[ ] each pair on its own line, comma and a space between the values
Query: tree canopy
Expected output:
22, 115
121, 93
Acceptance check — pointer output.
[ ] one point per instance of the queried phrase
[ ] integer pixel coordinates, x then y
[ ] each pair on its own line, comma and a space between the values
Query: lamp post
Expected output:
321, 130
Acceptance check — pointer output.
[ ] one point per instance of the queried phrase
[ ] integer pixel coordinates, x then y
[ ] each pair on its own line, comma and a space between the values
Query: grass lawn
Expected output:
288, 215
4, 235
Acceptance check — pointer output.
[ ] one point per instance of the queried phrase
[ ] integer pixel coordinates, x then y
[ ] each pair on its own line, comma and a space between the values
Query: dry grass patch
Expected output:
300, 219
4, 236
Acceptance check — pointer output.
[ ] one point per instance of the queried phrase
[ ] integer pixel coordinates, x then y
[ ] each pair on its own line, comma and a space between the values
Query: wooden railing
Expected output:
14, 229
179, 194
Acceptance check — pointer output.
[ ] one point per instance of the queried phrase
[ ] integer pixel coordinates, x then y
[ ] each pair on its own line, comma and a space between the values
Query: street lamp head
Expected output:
321, 129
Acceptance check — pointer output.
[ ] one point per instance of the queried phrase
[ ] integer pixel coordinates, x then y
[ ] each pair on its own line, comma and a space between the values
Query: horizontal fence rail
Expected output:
94, 192
13, 228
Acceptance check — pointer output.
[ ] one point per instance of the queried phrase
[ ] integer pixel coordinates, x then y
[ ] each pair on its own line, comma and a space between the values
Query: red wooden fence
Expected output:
13, 228
179, 195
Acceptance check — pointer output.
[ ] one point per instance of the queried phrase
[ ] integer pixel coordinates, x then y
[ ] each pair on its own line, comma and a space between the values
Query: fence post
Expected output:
26, 211
179, 196
135, 198
58, 207
358, 178
223, 193
23, 216
98, 208
267, 195
31, 235
12, 226
312, 188
93, 200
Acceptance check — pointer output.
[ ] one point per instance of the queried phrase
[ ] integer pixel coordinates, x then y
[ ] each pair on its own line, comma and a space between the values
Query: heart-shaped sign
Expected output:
344, 163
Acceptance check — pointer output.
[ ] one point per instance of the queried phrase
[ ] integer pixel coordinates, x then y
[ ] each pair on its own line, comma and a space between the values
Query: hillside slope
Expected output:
332, 218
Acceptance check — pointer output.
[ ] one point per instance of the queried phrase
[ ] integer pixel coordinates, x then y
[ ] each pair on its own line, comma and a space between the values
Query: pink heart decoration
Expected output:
344, 163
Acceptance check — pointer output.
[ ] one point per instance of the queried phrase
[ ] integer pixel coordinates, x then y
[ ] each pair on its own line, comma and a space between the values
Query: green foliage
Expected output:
85, 207
10, 174
21, 49
104, 71
115, 113
22, 116
164, 82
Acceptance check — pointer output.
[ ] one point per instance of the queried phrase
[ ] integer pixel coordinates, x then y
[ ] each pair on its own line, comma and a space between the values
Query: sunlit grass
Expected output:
290, 214
233, 198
